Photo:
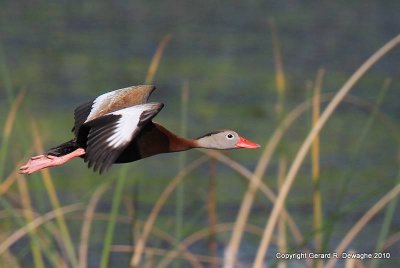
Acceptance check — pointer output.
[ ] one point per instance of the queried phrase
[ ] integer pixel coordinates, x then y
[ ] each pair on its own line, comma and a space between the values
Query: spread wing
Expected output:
111, 133
110, 102
81, 113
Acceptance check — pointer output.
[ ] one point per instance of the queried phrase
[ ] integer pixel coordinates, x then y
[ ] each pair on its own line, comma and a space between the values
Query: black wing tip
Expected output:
99, 155
150, 113
81, 113
157, 106
100, 162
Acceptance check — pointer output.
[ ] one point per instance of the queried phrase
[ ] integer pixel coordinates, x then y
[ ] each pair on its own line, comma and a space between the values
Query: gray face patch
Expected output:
224, 139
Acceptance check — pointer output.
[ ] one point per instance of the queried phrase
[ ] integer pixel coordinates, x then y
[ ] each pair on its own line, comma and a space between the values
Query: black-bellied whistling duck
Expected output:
117, 127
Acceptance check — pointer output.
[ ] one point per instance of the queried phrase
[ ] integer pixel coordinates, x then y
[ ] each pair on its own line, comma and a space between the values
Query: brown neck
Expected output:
176, 143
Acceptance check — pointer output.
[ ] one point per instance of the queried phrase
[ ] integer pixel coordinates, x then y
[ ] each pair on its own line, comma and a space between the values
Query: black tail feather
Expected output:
64, 148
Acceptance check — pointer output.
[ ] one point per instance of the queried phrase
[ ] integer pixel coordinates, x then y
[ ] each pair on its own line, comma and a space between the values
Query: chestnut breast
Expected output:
150, 141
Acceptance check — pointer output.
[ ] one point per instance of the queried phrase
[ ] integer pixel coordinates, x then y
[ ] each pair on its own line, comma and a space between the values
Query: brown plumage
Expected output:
117, 127
112, 101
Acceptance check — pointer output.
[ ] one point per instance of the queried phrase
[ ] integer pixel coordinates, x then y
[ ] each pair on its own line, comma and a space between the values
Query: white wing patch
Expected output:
111, 133
126, 125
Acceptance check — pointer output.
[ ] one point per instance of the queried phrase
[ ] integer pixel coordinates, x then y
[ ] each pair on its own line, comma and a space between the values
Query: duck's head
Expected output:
224, 139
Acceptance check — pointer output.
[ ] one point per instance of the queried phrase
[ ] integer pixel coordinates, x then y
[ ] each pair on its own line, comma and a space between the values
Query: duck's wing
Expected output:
81, 113
110, 102
111, 133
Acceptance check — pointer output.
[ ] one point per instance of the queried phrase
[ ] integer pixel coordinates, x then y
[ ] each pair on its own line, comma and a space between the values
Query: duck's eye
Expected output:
229, 136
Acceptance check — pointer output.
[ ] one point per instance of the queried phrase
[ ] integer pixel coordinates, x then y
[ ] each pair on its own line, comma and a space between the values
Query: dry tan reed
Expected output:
212, 211
239, 227
377, 207
153, 67
295, 113
280, 84
165, 236
256, 180
28, 214
393, 239
269, 194
263, 248
7, 259
315, 155
141, 243
52, 193
155, 61
202, 234
11, 178
87, 223
18, 234
8, 126
164, 252
280, 80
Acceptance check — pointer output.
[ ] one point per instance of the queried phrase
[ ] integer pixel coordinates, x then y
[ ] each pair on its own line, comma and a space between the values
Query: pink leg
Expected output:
43, 161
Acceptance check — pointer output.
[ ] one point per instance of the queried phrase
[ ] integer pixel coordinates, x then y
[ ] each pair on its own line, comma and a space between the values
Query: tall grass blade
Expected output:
387, 221
8, 259
245, 173
87, 223
11, 178
212, 212
105, 256
219, 228
203, 234
256, 182
51, 255
165, 236
280, 83
152, 251
377, 207
391, 240
52, 193
315, 156
180, 190
38, 221
263, 248
282, 236
141, 242
155, 61
27, 206
153, 67
280, 80
234, 243
269, 150
356, 150
7, 130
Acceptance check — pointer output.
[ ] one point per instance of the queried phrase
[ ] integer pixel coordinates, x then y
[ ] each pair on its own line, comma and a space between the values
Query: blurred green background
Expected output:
63, 53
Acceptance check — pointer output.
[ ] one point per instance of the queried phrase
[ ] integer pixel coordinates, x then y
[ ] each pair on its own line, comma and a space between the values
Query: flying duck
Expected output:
117, 127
